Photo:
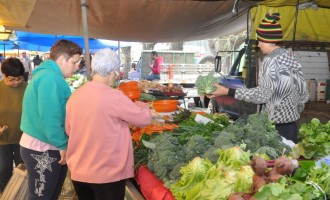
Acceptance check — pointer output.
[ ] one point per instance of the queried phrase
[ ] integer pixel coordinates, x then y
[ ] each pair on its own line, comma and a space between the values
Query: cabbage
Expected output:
234, 157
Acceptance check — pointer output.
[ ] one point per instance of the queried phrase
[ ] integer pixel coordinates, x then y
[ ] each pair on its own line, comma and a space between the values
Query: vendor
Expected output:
282, 90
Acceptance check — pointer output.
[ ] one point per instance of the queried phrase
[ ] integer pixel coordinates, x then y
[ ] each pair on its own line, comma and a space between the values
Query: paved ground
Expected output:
317, 109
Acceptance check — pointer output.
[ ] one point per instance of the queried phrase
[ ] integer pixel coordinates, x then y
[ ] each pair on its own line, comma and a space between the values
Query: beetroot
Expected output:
285, 165
259, 165
236, 196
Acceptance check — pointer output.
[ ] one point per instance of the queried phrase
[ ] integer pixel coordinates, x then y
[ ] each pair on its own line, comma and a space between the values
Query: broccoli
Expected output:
196, 145
205, 84
212, 155
175, 173
165, 156
237, 129
224, 140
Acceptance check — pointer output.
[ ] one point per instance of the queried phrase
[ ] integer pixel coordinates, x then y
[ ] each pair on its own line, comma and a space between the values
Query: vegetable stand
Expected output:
222, 175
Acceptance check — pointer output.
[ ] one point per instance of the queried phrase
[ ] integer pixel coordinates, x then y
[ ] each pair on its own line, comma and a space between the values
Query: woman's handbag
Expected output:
17, 187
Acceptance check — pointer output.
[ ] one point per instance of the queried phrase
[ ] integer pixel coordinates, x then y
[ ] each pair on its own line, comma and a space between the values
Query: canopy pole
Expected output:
84, 7
295, 26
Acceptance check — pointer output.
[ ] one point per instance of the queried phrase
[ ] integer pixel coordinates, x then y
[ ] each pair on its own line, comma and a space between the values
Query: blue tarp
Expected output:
43, 42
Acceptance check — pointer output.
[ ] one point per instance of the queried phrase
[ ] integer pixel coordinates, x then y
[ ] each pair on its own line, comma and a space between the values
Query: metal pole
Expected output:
84, 7
295, 26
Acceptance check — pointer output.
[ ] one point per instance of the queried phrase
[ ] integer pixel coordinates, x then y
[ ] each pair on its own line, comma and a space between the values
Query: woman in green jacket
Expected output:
12, 89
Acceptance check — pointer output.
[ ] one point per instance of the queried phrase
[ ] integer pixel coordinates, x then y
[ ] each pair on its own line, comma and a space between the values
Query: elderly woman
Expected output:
100, 152
11, 95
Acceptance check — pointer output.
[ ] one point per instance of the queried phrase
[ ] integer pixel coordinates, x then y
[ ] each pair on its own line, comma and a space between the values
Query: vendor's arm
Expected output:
257, 95
220, 91
267, 83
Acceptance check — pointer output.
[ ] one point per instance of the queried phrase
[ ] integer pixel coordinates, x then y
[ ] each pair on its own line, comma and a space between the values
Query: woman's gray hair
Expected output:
105, 61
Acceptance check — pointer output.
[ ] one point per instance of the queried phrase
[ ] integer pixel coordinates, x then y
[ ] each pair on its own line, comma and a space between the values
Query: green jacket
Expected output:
44, 102
10, 112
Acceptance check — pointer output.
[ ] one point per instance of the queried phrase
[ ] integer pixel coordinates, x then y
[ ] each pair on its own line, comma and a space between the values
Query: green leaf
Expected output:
149, 144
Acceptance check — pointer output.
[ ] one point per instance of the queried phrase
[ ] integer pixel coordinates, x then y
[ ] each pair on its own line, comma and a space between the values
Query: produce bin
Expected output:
151, 187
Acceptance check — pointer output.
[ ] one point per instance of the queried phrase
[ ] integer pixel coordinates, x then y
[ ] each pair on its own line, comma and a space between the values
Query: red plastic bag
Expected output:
151, 187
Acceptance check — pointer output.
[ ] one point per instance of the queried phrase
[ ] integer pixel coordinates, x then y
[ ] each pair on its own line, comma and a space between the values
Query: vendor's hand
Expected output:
63, 157
220, 91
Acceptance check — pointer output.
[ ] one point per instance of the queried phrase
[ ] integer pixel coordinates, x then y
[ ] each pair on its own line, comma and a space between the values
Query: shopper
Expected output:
155, 67
27, 66
44, 141
100, 152
12, 89
282, 89
36, 61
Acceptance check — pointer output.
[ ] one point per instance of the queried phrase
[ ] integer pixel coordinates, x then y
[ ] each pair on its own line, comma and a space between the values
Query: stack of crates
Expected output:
321, 89
327, 90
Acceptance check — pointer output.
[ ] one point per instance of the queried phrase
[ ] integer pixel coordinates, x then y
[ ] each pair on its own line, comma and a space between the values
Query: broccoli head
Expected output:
205, 84
212, 155
196, 145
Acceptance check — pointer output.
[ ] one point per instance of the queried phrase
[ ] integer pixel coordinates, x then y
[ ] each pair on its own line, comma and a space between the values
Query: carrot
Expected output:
199, 112
166, 117
136, 136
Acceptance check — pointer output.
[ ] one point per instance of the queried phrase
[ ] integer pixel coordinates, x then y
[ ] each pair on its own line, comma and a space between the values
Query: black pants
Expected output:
105, 191
45, 175
9, 153
288, 130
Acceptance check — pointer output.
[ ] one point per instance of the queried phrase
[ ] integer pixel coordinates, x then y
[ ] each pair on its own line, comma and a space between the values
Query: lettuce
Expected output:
193, 174
202, 180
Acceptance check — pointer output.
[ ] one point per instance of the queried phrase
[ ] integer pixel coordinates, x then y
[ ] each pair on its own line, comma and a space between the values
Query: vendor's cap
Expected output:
269, 29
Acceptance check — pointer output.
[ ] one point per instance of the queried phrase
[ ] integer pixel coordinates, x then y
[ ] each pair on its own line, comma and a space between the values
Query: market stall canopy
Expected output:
43, 42
126, 20
142, 21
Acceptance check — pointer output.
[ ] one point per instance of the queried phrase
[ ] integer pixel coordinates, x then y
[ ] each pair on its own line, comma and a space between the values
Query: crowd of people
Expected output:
28, 64
51, 130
